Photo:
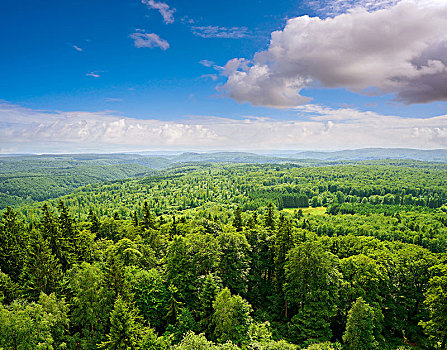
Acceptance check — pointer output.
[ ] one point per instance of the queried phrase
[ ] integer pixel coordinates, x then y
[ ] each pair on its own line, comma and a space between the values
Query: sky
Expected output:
199, 75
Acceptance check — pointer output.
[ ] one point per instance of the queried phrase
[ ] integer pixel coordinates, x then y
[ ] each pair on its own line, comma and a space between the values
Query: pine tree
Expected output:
147, 221
42, 271
283, 243
114, 275
135, 218
311, 289
237, 221
269, 217
67, 237
94, 222
13, 240
174, 306
90, 303
125, 329
207, 294
359, 334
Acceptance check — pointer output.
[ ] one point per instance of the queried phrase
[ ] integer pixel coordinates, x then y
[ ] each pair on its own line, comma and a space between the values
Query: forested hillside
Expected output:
26, 179
232, 256
29, 178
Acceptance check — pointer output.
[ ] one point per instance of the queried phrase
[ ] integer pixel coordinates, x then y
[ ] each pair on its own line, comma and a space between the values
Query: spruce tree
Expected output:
94, 222
125, 329
269, 217
359, 334
13, 240
237, 221
42, 271
147, 221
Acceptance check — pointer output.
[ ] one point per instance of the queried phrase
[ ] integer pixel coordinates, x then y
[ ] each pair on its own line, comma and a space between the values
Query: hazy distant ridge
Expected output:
439, 155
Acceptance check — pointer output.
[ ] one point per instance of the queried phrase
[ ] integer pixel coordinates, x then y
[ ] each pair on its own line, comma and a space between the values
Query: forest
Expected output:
220, 255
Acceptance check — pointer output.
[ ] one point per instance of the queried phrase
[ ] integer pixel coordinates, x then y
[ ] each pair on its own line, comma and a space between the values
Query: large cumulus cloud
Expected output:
400, 49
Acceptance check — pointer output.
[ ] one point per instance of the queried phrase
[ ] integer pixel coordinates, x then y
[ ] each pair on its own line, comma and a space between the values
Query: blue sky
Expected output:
82, 75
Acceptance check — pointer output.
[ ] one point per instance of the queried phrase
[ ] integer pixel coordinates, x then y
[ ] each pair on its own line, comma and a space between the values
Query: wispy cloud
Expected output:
150, 40
221, 32
93, 74
213, 77
207, 63
113, 99
77, 48
336, 7
164, 9
316, 127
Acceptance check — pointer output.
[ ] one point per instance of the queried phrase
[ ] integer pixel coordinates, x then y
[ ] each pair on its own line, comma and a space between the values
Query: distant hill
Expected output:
439, 155
28, 178
228, 157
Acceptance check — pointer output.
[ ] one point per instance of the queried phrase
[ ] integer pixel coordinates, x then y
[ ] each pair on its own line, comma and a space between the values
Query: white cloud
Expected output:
336, 7
77, 48
150, 40
401, 49
316, 127
213, 77
221, 32
163, 8
207, 63
93, 74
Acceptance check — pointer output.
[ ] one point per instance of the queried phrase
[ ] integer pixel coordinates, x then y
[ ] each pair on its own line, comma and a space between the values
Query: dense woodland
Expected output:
231, 256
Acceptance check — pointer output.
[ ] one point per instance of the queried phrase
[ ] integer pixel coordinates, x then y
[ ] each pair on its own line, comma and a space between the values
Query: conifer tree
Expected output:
114, 276
125, 329
207, 294
283, 243
13, 241
66, 237
269, 217
147, 221
312, 283
135, 218
237, 221
90, 304
94, 222
42, 271
174, 305
359, 334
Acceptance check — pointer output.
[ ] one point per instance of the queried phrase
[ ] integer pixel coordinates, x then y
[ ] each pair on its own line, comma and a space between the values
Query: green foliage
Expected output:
237, 221
359, 334
209, 288
311, 288
37, 178
8, 289
125, 328
58, 309
234, 264
324, 346
90, 302
436, 301
231, 318
13, 241
150, 295
33, 326
192, 247
41, 271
